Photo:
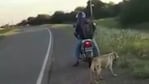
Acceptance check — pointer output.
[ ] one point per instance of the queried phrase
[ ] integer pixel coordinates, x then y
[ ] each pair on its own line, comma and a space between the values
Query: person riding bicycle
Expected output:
79, 34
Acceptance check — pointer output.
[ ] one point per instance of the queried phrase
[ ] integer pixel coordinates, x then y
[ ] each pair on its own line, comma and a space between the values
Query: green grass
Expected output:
61, 26
109, 22
140, 69
5, 30
8, 32
132, 46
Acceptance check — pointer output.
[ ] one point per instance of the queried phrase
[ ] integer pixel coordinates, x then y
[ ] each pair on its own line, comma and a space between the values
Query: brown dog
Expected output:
101, 62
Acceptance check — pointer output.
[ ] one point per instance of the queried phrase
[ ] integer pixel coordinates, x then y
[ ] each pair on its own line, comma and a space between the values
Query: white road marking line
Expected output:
41, 74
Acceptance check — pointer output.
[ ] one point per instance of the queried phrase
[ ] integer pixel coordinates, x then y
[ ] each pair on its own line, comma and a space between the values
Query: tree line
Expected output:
134, 12
128, 12
100, 9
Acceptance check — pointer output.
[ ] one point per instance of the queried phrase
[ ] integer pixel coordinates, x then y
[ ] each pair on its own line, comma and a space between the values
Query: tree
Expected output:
40, 19
101, 9
135, 11
79, 9
58, 17
31, 20
22, 23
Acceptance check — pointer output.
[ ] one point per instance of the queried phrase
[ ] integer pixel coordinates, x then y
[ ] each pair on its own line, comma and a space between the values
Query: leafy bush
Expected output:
134, 12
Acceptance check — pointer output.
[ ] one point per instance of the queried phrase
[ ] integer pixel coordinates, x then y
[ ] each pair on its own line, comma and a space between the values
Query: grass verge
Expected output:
7, 32
132, 46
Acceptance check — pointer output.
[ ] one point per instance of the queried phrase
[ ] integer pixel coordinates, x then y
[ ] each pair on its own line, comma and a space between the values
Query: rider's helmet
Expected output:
80, 15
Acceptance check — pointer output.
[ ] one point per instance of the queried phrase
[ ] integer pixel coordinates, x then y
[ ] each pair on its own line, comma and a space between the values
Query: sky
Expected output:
13, 11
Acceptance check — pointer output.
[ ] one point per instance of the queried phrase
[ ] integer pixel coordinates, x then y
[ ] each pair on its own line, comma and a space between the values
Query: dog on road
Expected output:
101, 62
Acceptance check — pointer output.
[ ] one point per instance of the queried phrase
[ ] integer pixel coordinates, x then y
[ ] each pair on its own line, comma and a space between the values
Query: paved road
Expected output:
22, 55
63, 72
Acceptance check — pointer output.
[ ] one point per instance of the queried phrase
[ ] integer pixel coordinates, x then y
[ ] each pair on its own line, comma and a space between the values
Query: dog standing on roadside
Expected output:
101, 62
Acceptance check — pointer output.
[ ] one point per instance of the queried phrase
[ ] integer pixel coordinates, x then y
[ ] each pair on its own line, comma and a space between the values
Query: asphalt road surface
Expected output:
63, 50
23, 56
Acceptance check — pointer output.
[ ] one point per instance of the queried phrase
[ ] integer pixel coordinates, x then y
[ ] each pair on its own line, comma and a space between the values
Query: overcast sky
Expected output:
13, 11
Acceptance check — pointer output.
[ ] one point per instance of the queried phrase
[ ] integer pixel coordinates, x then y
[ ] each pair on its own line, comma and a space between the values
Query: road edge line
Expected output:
42, 71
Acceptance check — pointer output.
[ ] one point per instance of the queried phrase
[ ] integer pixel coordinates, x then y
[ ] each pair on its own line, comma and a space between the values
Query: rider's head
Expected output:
80, 15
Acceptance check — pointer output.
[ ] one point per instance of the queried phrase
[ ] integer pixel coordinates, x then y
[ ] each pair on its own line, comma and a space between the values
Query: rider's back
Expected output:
88, 29
85, 28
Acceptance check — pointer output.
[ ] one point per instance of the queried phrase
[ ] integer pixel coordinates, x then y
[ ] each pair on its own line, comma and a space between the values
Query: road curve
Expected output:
22, 56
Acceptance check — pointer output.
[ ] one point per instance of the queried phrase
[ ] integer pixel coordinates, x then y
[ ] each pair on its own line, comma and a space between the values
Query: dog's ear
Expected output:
115, 55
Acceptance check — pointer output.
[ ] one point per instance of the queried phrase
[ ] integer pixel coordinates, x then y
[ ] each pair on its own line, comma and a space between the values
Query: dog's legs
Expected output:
98, 75
92, 77
95, 76
111, 69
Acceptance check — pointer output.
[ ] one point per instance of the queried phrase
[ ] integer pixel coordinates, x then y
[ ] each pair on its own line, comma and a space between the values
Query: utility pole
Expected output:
91, 9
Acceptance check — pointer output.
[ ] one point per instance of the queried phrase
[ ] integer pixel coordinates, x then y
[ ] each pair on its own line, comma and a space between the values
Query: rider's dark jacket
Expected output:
78, 30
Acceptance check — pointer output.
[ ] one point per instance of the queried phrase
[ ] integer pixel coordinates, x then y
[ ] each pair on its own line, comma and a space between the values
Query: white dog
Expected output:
101, 62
